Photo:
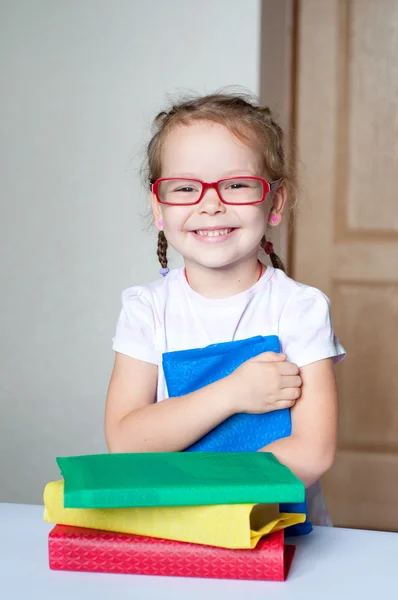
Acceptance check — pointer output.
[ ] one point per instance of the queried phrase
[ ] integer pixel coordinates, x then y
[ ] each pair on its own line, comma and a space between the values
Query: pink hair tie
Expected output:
269, 248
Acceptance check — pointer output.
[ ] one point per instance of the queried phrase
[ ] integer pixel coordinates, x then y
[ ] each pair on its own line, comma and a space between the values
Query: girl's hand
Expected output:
265, 383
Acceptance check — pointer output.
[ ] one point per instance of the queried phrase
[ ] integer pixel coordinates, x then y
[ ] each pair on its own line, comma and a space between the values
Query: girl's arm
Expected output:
134, 422
309, 452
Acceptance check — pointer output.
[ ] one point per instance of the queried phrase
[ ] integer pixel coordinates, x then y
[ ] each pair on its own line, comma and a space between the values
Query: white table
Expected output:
330, 564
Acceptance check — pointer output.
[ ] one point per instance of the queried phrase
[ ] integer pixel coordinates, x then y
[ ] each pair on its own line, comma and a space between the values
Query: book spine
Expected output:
78, 549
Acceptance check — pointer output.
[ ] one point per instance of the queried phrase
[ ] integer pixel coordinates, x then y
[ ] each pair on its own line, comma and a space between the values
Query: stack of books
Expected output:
185, 514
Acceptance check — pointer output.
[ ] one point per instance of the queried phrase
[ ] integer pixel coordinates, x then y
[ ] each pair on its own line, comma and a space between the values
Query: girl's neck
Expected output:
226, 281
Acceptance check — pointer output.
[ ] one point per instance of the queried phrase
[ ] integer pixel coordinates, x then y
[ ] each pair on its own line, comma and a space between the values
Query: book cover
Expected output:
189, 370
79, 549
177, 479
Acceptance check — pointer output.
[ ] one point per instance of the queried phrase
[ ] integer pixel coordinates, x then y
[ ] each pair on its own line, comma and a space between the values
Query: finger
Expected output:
269, 357
285, 404
288, 368
290, 393
293, 381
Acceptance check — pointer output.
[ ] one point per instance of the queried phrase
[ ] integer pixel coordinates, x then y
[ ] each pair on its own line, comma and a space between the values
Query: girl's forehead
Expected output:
204, 145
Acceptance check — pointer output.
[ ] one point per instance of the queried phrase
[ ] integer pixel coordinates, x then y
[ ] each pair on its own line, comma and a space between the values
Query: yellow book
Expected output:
225, 526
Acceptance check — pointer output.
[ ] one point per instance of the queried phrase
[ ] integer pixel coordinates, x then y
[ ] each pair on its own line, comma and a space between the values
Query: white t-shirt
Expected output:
168, 315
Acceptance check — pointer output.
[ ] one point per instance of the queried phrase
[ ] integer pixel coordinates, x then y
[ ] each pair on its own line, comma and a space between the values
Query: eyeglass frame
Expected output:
268, 186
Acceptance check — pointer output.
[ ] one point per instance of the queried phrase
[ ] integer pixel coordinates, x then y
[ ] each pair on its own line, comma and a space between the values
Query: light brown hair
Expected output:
248, 121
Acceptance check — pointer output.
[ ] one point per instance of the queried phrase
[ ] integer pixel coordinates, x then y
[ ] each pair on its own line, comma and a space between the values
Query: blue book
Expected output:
189, 370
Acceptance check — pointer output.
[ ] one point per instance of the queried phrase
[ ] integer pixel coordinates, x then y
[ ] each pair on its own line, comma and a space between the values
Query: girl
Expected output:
218, 180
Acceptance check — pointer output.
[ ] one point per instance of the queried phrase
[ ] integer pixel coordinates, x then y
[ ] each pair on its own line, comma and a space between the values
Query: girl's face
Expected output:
210, 152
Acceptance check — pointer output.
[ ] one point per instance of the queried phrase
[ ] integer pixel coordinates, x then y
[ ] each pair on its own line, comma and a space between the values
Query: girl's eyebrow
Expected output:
183, 175
237, 172
226, 174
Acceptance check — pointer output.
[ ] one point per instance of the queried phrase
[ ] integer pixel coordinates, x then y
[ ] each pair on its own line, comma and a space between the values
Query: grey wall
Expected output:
80, 81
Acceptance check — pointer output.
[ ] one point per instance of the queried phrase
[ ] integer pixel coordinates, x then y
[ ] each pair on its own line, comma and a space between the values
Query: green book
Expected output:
177, 479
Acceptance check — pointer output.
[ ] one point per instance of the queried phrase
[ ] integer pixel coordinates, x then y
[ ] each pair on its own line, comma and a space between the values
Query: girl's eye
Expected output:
237, 186
186, 188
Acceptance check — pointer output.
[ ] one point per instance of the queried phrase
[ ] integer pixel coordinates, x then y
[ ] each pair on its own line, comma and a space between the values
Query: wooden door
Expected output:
346, 235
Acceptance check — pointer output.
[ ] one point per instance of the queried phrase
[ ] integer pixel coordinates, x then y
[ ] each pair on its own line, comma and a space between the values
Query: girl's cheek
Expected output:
176, 217
254, 216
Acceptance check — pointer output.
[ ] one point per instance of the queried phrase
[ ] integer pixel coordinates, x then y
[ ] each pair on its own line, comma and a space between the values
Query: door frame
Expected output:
278, 76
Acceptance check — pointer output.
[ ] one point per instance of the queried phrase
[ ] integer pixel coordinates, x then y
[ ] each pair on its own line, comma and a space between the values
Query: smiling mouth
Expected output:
213, 232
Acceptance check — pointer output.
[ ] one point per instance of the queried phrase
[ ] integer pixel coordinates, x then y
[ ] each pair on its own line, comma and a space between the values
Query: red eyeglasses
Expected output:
237, 190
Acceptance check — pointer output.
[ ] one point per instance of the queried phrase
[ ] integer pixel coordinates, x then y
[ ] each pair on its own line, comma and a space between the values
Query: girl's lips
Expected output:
214, 235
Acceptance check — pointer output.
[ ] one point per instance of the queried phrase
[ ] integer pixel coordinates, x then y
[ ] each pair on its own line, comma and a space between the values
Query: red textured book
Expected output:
80, 549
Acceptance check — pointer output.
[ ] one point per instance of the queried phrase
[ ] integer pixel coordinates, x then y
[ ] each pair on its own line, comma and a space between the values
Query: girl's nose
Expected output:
211, 203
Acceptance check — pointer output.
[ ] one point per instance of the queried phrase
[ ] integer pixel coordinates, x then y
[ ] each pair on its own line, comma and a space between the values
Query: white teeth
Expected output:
214, 233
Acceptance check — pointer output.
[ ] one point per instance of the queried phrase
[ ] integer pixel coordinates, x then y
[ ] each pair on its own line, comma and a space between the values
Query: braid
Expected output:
162, 250
269, 249
276, 262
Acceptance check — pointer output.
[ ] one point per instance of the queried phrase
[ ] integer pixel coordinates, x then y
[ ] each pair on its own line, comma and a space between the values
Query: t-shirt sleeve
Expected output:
136, 328
306, 329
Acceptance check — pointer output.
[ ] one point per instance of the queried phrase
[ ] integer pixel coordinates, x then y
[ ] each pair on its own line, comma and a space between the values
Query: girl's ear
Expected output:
278, 205
157, 212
